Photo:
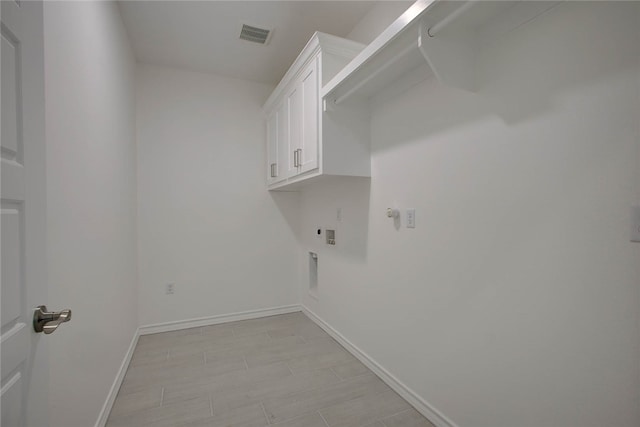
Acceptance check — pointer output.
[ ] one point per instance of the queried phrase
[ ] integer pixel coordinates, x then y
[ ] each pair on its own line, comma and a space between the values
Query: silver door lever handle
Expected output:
48, 322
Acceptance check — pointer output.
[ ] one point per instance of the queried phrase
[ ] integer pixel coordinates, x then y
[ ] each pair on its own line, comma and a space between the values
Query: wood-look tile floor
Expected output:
281, 371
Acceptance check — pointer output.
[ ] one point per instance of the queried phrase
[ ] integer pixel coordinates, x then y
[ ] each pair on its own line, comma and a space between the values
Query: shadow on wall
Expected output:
288, 203
553, 64
337, 203
345, 205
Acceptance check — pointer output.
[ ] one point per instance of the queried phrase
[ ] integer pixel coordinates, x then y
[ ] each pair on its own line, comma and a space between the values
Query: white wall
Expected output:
90, 113
205, 219
515, 301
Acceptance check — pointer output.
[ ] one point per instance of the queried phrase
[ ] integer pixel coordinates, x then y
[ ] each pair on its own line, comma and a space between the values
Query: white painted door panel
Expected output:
283, 141
310, 119
24, 385
294, 112
272, 148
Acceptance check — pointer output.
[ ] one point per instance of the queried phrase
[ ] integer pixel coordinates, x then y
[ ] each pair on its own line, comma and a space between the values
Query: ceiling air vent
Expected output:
255, 34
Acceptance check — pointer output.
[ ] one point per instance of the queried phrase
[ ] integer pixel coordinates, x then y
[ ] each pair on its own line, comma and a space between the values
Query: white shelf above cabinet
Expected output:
440, 37
446, 35
392, 53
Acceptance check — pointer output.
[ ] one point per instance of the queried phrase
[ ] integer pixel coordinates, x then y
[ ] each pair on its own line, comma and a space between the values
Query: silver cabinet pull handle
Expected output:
299, 156
295, 158
48, 322
273, 170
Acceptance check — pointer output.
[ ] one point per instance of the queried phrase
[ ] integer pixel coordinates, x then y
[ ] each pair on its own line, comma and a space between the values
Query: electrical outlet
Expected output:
169, 288
411, 218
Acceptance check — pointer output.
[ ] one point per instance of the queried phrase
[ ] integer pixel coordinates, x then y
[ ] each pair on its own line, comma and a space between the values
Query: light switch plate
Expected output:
411, 218
635, 223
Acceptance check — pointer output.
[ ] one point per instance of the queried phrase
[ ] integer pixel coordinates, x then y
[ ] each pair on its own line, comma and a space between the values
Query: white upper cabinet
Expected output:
282, 143
277, 145
308, 142
293, 105
301, 140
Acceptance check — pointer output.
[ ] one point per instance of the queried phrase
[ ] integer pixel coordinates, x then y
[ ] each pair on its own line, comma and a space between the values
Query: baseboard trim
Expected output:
174, 326
115, 387
426, 409
213, 320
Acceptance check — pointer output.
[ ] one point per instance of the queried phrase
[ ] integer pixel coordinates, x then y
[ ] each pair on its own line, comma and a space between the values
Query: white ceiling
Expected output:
203, 35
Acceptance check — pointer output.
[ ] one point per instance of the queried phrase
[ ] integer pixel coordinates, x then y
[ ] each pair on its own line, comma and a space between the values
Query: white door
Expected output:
309, 88
24, 353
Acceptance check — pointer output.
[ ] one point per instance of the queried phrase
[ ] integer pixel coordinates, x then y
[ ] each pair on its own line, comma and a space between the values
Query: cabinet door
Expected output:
272, 147
294, 114
283, 142
309, 88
